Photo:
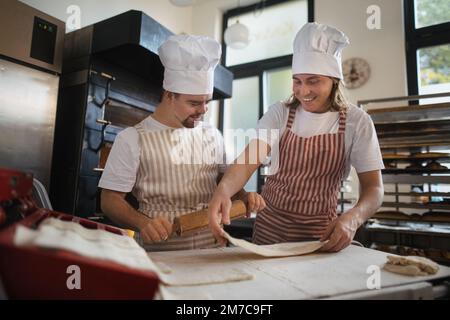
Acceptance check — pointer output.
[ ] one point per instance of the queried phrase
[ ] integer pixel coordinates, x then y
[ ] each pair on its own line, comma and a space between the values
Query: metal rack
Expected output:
413, 139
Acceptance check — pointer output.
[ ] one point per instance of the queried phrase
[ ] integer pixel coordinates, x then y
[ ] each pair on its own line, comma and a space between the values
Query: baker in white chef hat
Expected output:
189, 62
321, 138
142, 161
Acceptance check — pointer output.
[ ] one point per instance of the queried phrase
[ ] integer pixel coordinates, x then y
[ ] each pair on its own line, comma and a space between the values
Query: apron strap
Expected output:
140, 130
291, 117
342, 118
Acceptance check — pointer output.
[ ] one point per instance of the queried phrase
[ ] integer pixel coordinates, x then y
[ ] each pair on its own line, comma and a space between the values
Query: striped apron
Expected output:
165, 188
302, 196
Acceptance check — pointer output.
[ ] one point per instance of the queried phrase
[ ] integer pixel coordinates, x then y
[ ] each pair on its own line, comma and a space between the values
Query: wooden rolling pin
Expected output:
195, 221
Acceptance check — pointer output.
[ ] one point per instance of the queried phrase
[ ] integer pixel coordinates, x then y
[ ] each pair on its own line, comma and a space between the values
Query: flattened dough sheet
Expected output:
285, 249
199, 277
202, 276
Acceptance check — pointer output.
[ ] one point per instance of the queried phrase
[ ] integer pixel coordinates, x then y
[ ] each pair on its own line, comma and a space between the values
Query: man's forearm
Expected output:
240, 172
235, 178
122, 213
369, 202
240, 195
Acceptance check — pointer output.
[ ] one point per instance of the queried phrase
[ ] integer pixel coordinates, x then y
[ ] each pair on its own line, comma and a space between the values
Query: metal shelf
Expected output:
433, 206
435, 146
437, 255
407, 230
415, 179
428, 217
416, 141
419, 194
410, 128
415, 171
410, 113
416, 157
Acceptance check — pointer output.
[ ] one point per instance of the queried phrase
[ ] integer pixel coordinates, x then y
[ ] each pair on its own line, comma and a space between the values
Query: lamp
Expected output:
182, 3
237, 35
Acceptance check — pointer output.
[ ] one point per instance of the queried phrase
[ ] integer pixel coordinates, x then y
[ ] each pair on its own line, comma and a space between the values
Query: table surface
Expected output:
312, 276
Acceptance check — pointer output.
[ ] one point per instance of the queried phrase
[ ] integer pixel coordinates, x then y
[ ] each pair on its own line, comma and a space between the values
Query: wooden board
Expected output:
427, 217
394, 156
418, 194
388, 130
318, 275
422, 170
440, 146
410, 113
416, 156
413, 205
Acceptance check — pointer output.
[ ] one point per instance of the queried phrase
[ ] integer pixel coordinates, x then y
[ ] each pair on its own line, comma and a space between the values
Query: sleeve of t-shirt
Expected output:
366, 154
123, 162
272, 123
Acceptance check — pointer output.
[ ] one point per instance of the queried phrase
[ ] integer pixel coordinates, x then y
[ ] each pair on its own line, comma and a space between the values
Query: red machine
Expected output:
30, 272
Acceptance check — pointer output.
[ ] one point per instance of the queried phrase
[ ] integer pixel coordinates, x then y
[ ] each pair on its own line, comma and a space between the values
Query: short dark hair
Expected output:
164, 91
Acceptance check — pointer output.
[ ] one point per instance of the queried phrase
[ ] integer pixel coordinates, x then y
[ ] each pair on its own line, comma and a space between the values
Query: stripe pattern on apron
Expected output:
302, 196
168, 189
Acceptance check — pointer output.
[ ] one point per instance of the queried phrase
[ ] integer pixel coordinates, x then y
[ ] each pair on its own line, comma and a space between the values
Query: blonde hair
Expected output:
338, 101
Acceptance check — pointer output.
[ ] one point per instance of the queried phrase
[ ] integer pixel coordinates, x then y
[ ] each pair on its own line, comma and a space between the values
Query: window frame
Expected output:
416, 39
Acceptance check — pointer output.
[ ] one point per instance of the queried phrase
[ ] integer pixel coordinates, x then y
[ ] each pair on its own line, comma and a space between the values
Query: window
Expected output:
262, 71
433, 65
431, 12
277, 86
241, 112
272, 31
427, 32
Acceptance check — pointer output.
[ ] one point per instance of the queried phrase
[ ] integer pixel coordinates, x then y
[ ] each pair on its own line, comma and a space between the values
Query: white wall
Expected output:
176, 19
383, 49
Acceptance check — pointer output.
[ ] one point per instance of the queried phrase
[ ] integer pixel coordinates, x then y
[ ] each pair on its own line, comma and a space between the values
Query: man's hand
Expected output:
155, 230
219, 212
254, 203
340, 232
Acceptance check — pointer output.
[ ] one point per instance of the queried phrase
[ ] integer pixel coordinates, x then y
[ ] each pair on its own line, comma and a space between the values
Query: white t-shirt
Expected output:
123, 161
362, 150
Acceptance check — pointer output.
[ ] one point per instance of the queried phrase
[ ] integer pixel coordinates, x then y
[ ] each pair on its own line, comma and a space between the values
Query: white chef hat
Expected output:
317, 50
189, 63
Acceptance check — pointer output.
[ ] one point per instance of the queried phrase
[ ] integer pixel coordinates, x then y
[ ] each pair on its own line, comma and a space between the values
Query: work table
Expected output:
314, 276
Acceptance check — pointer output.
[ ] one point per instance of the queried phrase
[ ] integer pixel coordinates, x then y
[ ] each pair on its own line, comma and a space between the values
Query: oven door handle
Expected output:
104, 123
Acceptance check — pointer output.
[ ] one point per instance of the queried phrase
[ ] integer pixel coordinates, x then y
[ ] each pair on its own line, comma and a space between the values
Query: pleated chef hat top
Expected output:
317, 50
189, 62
